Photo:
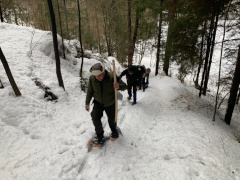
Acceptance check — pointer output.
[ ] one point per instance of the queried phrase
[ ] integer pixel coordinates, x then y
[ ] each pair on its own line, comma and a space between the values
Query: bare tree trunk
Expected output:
209, 40
200, 56
142, 49
1, 15
130, 55
80, 37
168, 49
211, 54
233, 91
66, 18
132, 40
238, 96
167, 53
159, 38
60, 23
15, 16
55, 44
9, 74
98, 32
135, 31
107, 33
220, 62
217, 8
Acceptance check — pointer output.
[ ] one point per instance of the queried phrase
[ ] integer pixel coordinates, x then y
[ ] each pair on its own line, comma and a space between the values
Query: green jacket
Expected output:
103, 91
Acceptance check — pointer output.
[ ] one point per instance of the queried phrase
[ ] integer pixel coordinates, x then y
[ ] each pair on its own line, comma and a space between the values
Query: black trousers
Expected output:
130, 88
97, 114
143, 83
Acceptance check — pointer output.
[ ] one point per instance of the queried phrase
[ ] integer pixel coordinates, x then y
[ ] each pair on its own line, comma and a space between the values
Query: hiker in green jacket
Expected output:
101, 88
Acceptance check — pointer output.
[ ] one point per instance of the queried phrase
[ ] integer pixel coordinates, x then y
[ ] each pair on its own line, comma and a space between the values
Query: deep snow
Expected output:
169, 134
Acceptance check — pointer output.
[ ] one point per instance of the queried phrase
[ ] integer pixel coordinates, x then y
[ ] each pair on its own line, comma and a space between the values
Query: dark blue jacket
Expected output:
135, 78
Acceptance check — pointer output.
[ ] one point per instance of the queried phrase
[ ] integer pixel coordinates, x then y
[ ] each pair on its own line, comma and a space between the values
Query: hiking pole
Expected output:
116, 98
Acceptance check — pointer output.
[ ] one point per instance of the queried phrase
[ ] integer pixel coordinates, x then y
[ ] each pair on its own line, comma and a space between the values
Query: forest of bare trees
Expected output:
183, 31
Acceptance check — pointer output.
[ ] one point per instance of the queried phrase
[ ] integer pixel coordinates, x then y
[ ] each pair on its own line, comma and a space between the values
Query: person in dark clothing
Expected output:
142, 85
145, 79
134, 76
101, 87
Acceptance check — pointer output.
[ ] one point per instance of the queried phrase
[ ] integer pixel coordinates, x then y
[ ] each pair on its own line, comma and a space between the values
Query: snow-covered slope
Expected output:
169, 134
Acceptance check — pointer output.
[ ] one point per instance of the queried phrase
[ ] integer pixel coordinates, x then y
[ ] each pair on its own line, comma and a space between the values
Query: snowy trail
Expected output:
152, 147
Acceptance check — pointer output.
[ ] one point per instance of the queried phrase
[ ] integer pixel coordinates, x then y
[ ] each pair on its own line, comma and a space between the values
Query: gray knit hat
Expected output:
97, 69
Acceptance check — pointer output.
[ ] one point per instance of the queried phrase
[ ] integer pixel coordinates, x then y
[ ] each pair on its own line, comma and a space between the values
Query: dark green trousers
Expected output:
97, 114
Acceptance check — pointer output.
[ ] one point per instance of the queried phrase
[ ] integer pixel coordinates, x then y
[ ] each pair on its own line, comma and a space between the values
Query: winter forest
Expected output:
185, 126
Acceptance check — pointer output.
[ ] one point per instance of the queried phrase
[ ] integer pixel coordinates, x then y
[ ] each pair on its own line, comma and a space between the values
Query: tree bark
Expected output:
15, 16
238, 97
200, 56
220, 63
209, 40
212, 49
135, 33
132, 40
55, 44
130, 56
80, 37
159, 38
107, 29
168, 49
60, 23
1, 15
66, 18
9, 74
233, 91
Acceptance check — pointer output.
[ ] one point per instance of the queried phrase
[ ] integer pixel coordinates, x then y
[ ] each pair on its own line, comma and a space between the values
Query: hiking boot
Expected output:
129, 97
96, 142
134, 103
114, 136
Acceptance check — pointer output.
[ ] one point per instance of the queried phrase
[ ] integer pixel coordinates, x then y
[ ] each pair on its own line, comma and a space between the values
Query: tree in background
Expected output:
217, 6
159, 37
55, 44
220, 61
185, 37
104, 28
108, 13
201, 52
130, 44
66, 18
172, 7
60, 24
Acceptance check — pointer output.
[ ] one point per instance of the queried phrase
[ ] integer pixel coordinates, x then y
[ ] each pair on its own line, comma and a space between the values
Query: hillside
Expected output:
168, 135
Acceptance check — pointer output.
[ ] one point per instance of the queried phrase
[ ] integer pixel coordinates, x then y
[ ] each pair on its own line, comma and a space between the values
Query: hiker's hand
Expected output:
137, 87
116, 85
87, 107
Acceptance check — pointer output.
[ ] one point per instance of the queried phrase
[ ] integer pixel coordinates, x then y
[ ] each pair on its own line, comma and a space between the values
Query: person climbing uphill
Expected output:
134, 76
101, 87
